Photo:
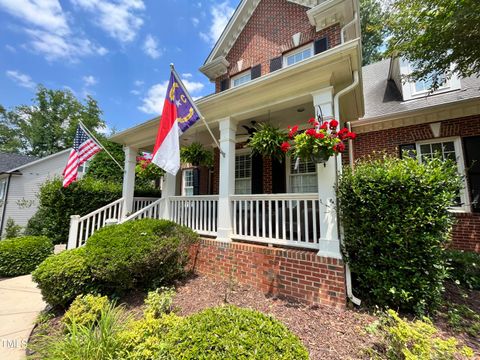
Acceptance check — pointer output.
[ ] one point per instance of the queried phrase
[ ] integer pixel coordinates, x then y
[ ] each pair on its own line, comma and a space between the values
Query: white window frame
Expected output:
409, 90
184, 181
288, 165
3, 190
457, 143
243, 152
244, 74
298, 51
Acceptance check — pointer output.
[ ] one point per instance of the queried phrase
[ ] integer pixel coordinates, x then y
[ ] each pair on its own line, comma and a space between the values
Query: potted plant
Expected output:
267, 140
318, 142
196, 155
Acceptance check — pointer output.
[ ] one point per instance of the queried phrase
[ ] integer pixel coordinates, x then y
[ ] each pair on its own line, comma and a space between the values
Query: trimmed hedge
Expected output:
20, 256
232, 333
61, 278
396, 223
145, 253
57, 204
137, 254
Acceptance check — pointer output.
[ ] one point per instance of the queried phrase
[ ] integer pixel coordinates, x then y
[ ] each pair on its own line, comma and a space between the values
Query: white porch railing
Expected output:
81, 228
198, 212
281, 219
141, 202
153, 211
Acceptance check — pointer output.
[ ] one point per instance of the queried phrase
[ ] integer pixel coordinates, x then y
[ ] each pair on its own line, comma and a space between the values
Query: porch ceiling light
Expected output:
300, 110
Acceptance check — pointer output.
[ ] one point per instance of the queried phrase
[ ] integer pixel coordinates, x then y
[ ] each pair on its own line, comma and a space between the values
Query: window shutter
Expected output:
275, 64
321, 45
224, 84
256, 71
472, 162
408, 150
196, 181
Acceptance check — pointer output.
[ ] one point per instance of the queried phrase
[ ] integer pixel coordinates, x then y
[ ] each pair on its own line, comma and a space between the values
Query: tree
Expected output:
373, 25
439, 38
49, 125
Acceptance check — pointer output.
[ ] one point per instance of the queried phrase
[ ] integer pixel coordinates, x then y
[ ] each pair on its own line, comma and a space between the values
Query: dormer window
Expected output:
242, 78
298, 55
425, 86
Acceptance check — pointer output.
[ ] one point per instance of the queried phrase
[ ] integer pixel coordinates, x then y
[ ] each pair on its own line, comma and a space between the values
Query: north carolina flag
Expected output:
177, 116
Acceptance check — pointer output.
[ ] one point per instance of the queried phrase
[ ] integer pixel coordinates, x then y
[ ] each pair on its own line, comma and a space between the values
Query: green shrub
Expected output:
139, 254
159, 302
57, 204
232, 333
86, 310
419, 340
61, 278
22, 255
464, 268
396, 223
12, 230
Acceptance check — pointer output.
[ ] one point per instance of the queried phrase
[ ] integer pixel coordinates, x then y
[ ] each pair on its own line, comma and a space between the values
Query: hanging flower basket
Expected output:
317, 143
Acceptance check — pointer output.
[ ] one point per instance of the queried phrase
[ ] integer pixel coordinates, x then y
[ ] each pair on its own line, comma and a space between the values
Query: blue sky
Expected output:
118, 51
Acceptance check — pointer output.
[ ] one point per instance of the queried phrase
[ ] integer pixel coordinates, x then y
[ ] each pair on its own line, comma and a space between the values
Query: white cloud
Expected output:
138, 82
21, 79
195, 21
187, 75
120, 19
153, 102
150, 47
48, 29
135, 92
221, 13
10, 48
89, 80
104, 130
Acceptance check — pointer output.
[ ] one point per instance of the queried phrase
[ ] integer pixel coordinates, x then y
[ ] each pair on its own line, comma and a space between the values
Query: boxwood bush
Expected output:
139, 254
20, 256
396, 223
233, 333
61, 278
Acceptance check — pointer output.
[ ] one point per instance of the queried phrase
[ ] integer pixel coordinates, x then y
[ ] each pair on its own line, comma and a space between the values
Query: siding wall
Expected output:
24, 188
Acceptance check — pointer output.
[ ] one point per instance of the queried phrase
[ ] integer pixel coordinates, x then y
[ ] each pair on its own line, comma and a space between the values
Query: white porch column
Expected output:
329, 240
227, 178
129, 179
168, 190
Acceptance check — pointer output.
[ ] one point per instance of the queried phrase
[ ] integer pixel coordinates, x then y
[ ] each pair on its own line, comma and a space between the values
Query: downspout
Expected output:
4, 210
336, 99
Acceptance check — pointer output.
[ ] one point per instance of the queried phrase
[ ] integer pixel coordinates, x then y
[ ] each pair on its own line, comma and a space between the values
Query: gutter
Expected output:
336, 99
4, 210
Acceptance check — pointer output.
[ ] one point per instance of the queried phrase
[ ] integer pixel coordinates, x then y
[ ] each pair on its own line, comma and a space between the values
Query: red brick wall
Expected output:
267, 176
466, 233
268, 34
297, 274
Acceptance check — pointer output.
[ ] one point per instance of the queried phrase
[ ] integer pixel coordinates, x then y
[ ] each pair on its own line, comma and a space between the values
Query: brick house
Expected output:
269, 224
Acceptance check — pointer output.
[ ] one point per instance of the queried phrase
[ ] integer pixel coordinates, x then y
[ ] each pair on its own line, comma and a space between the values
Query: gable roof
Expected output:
33, 160
10, 161
383, 98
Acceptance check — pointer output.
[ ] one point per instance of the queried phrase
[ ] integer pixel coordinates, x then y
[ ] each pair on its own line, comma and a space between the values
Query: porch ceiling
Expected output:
285, 90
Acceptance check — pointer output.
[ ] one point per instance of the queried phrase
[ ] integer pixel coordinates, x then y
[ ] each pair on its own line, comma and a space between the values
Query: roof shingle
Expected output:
9, 161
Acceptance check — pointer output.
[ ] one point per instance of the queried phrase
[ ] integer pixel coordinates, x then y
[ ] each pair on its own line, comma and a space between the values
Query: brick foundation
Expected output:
466, 232
300, 275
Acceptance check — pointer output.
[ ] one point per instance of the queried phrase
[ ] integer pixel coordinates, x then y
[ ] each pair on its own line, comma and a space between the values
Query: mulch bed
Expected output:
327, 333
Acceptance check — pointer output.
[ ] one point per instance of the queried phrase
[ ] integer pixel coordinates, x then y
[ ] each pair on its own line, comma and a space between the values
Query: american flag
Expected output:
84, 147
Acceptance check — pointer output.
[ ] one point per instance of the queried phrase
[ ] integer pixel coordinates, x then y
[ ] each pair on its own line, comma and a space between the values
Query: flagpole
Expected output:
99, 143
172, 66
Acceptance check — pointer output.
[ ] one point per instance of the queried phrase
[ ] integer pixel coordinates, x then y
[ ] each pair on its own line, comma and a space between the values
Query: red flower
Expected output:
313, 121
324, 125
351, 135
319, 135
339, 147
293, 131
333, 124
342, 134
285, 146
310, 132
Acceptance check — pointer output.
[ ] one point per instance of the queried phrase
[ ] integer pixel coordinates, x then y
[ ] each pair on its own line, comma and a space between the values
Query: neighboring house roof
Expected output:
383, 98
10, 161
17, 166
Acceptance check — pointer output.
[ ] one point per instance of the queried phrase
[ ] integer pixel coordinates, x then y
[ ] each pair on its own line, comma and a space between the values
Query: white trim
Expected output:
457, 143
296, 51
184, 186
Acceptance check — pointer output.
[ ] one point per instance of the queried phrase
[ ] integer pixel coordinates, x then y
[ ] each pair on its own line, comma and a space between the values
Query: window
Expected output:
447, 149
3, 190
423, 86
303, 178
188, 182
243, 174
241, 79
298, 55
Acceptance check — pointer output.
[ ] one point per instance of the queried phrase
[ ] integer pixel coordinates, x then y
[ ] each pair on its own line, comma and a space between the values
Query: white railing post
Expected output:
168, 190
227, 178
129, 180
329, 241
73, 232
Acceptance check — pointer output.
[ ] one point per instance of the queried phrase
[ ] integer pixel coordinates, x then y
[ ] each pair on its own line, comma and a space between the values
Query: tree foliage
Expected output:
373, 25
437, 37
49, 124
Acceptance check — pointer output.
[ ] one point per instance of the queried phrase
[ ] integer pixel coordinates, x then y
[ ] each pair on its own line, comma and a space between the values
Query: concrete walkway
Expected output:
20, 303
